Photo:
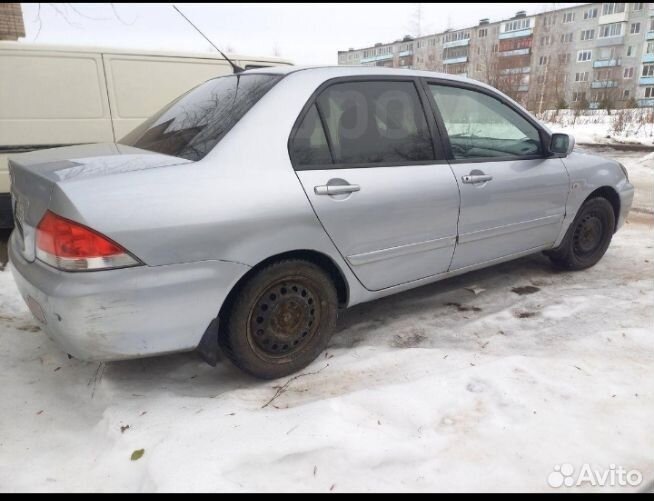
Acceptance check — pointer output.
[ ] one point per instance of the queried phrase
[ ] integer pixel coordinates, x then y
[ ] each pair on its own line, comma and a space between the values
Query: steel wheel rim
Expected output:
588, 235
285, 318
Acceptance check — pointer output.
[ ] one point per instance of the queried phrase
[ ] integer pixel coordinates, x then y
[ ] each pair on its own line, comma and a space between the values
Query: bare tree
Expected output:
415, 25
72, 13
552, 58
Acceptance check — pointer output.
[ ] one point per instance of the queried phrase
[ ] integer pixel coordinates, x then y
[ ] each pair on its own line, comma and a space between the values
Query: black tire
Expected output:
587, 238
280, 320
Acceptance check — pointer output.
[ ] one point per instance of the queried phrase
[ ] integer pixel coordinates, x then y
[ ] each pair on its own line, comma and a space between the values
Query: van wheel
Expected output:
588, 237
281, 319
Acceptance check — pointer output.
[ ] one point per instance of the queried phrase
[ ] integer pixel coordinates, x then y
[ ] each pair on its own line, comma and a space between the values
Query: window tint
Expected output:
480, 126
375, 122
192, 125
309, 145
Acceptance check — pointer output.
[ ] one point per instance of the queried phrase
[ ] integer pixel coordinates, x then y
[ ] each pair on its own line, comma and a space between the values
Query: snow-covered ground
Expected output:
469, 384
620, 127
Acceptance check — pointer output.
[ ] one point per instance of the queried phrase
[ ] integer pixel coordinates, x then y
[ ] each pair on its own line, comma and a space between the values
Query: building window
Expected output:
610, 30
544, 60
587, 34
612, 8
638, 6
590, 13
581, 77
517, 25
625, 94
630, 50
564, 58
649, 91
648, 70
432, 42
548, 40
549, 20
628, 73
455, 37
568, 17
584, 55
650, 48
482, 33
566, 37
578, 96
635, 28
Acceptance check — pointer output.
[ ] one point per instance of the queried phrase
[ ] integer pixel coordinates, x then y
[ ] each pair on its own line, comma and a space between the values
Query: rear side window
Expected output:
193, 124
480, 126
309, 146
366, 123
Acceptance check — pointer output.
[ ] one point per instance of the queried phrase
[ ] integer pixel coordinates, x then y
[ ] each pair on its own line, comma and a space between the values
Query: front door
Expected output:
365, 157
513, 196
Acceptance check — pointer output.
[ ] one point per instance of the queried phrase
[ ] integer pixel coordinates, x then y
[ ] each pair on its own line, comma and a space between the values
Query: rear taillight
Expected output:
70, 246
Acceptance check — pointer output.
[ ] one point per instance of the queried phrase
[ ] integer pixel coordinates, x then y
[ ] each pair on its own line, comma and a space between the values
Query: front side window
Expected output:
194, 123
375, 122
480, 126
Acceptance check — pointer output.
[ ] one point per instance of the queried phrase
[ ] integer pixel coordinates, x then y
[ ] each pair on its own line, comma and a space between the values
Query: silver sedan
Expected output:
245, 214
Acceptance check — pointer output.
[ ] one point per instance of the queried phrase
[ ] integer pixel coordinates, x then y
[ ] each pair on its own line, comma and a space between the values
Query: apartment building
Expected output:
592, 55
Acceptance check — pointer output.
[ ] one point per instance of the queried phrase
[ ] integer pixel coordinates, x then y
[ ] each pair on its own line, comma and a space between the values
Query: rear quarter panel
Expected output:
242, 203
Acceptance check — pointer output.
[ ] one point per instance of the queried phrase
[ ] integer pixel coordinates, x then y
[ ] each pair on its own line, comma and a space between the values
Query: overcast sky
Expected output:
303, 33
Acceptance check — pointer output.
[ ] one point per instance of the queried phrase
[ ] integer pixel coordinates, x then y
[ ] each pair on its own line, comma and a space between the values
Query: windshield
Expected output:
194, 123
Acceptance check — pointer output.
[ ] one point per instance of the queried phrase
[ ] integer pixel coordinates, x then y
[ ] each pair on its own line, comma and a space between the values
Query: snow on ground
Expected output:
630, 126
435, 389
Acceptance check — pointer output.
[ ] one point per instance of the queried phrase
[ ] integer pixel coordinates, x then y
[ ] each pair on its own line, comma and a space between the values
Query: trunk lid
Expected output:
36, 175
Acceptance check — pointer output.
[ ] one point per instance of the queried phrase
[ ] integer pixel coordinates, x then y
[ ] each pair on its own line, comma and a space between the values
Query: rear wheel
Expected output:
281, 319
588, 237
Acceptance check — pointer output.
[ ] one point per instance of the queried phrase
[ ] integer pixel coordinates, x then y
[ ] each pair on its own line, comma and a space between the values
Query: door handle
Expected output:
476, 178
336, 189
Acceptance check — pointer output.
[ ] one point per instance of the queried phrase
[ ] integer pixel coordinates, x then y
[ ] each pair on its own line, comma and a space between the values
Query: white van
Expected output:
55, 95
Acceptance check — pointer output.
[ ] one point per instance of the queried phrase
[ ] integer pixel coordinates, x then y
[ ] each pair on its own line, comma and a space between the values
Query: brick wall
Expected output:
11, 21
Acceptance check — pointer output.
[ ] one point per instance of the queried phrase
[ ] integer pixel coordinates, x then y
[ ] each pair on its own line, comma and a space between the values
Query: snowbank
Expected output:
440, 388
630, 126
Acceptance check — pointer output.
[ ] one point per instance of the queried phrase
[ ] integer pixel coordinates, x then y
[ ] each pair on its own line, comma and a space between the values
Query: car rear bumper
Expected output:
124, 313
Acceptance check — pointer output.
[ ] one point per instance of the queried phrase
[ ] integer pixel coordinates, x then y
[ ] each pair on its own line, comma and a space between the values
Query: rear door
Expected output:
366, 157
513, 194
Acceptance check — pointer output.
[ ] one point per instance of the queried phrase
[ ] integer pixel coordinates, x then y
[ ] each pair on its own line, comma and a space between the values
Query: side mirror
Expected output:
562, 144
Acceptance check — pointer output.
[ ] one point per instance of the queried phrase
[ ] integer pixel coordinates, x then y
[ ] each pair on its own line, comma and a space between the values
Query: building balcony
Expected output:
606, 63
646, 103
646, 81
514, 52
515, 71
649, 35
456, 60
619, 17
609, 41
374, 59
517, 34
603, 84
648, 58
456, 43
405, 53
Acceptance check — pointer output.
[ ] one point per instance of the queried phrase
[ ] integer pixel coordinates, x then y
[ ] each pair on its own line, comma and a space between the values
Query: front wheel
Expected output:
588, 237
281, 319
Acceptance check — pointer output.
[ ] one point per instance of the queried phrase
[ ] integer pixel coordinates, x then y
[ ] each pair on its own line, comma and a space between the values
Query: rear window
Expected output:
194, 123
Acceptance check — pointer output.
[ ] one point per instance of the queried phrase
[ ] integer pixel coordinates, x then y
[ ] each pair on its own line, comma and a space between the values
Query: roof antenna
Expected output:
235, 67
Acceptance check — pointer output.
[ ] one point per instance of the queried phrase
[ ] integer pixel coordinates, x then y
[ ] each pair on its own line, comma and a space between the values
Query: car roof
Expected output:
344, 70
